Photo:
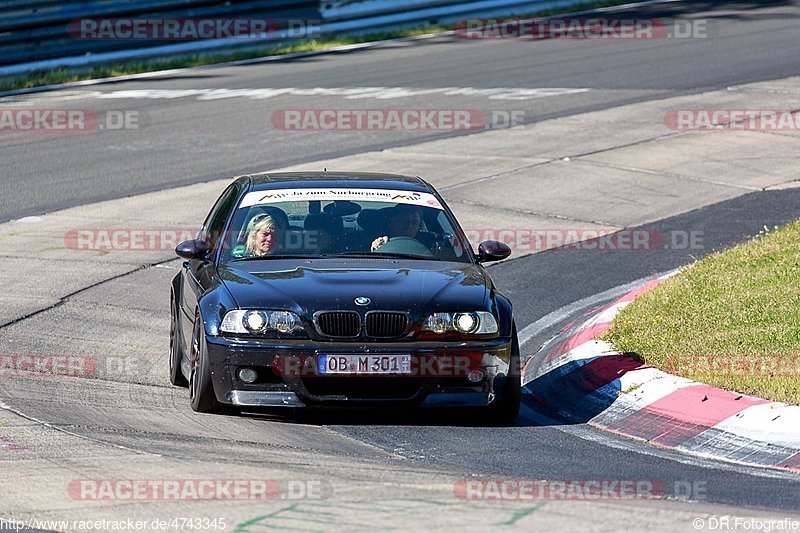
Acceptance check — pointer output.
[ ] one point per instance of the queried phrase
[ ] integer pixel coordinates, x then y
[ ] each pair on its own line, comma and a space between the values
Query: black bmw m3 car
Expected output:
344, 290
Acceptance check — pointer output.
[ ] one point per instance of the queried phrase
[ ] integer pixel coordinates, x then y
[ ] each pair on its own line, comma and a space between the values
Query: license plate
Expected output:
364, 364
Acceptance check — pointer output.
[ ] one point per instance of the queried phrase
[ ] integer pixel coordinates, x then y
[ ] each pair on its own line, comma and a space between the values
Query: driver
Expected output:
404, 222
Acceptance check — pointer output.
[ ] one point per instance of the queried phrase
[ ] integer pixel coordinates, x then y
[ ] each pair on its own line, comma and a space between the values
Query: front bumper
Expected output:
288, 376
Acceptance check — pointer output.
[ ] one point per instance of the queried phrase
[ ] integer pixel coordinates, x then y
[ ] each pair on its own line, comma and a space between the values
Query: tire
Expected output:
506, 407
201, 390
176, 376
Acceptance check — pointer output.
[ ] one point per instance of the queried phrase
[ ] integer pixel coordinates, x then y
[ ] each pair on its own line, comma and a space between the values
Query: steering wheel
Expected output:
405, 245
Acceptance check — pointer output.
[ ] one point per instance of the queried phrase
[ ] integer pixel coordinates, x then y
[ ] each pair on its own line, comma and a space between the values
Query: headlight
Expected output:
261, 322
439, 322
466, 322
255, 321
476, 323
284, 321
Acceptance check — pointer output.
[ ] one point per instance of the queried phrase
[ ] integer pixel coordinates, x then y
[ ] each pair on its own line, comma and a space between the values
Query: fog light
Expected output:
476, 376
248, 375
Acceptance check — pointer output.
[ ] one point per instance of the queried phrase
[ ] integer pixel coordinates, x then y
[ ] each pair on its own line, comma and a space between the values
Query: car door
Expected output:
198, 273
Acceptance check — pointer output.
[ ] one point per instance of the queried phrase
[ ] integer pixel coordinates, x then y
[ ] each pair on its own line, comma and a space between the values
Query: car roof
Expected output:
366, 180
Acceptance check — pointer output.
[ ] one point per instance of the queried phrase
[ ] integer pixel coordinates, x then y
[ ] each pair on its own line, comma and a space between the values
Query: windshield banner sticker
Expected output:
421, 199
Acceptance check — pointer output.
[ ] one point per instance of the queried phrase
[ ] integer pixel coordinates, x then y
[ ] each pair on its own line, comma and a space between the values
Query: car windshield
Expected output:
347, 222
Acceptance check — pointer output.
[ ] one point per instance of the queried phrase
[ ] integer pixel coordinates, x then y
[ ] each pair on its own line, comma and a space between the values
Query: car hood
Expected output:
328, 284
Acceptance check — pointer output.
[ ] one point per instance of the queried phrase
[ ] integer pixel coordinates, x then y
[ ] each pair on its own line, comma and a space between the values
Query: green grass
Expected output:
731, 320
65, 75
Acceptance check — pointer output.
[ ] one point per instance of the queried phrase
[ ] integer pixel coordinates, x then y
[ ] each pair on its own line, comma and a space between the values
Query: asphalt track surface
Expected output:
191, 140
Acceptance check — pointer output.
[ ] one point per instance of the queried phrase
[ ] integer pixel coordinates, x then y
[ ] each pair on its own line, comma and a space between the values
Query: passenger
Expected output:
264, 234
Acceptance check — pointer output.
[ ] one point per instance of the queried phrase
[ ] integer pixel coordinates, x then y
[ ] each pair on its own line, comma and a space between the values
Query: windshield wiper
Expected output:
270, 257
383, 255
371, 255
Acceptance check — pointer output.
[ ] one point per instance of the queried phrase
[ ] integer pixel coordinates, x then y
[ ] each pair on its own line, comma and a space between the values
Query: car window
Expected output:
445, 226
214, 224
343, 222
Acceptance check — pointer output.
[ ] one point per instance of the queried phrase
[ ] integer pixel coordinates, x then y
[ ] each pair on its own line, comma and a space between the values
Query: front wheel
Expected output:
506, 407
201, 391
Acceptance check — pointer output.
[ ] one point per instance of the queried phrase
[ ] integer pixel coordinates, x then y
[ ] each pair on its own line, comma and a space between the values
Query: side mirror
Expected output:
489, 251
194, 249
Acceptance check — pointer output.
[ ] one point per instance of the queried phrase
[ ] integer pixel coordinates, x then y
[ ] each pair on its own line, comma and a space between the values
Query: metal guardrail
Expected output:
34, 34
350, 9
36, 30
